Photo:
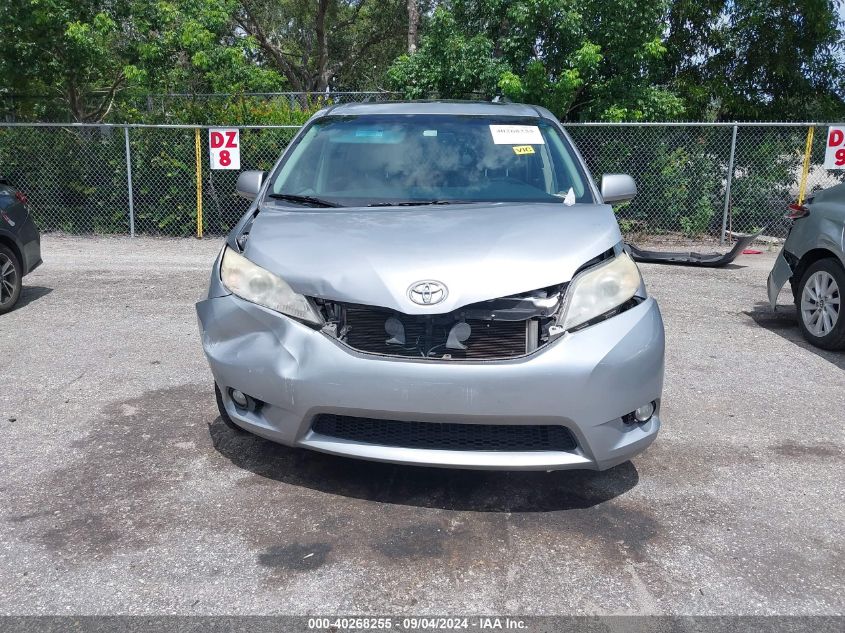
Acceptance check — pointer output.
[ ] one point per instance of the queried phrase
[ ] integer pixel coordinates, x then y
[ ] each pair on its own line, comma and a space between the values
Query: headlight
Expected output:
251, 282
599, 290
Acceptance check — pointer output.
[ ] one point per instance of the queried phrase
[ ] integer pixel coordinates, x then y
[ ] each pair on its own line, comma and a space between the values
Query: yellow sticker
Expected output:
523, 149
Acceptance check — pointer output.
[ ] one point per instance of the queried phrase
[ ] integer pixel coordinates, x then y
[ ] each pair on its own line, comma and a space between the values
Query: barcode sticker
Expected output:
516, 135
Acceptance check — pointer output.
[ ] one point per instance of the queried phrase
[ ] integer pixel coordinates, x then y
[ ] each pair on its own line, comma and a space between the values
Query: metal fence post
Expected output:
728, 187
198, 155
129, 183
688, 153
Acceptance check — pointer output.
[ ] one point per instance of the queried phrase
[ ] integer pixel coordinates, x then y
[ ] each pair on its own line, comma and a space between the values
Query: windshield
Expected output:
439, 159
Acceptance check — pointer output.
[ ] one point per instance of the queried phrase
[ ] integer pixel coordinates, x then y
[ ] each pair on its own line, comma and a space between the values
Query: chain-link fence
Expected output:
694, 180
248, 107
77, 177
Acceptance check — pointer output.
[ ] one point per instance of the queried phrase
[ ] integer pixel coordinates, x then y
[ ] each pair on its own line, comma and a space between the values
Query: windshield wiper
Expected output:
418, 203
292, 197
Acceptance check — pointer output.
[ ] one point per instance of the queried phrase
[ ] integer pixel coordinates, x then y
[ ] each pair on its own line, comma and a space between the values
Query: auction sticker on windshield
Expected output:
516, 135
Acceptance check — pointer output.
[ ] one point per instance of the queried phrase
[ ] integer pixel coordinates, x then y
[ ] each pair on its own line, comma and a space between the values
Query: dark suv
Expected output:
20, 244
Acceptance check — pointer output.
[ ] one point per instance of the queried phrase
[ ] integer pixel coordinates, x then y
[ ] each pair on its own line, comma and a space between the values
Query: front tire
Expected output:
11, 279
819, 303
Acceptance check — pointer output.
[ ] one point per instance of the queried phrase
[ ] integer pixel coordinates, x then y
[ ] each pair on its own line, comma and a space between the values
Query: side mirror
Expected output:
249, 183
617, 188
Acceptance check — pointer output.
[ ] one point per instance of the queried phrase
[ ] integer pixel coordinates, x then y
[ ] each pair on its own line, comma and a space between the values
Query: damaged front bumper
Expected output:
688, 258
584, 381
780, 274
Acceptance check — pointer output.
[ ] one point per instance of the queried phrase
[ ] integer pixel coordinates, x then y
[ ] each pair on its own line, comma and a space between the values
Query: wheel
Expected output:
10, 279
224, 415
819, 304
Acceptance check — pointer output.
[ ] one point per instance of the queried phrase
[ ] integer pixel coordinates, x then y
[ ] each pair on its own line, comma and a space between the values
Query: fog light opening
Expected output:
239, 398
243, 401
641, 415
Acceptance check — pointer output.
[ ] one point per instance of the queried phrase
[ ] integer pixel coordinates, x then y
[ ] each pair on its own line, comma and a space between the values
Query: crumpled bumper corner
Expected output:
780, 274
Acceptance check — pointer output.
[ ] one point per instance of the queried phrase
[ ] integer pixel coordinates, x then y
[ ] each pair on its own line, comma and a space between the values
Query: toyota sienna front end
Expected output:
438, 284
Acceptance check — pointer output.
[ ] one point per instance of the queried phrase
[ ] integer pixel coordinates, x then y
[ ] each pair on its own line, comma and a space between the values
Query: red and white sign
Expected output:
224, 146
834, 151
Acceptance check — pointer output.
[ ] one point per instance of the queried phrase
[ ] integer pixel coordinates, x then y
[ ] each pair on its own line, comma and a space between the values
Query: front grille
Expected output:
446, 436
425, 337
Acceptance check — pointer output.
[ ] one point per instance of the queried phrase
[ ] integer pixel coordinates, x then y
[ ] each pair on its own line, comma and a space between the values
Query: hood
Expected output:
478, 251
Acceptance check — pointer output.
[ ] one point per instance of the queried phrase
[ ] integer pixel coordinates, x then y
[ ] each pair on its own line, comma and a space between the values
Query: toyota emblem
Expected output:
427, 293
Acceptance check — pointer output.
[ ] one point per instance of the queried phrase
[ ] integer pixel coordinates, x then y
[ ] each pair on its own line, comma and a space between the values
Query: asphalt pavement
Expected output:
122, 492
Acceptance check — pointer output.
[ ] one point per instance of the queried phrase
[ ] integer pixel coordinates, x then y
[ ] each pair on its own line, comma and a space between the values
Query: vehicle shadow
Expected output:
448, 489
30, 294
784, 323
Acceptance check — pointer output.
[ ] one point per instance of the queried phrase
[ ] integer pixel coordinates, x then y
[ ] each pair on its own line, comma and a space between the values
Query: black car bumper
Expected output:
24, 238
30, 245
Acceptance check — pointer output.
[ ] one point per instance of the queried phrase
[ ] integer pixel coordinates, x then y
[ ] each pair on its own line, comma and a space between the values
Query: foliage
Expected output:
448, 64
584, 59
232, 109
612, 60
757, 59
84, 54
632, 60
345, 44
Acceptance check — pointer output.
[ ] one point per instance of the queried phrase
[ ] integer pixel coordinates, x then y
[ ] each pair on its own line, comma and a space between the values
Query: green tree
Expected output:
89, 54
757, 59
79, 51
448, 64
338, 44
581, 59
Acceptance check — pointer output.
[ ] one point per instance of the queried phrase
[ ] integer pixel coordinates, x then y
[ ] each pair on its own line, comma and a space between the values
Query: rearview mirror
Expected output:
249, 183
617, 188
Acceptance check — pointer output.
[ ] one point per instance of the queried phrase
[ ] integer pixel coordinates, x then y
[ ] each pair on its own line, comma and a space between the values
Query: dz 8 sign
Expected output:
834, 151
224, 145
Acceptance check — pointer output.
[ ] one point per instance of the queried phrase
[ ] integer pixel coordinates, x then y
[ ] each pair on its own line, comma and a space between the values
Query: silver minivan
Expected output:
440, 284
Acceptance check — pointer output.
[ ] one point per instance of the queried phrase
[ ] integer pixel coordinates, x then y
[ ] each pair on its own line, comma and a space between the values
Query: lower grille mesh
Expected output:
446, 436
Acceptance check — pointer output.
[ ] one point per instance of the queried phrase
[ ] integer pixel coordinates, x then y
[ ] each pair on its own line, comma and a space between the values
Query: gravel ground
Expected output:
123, 492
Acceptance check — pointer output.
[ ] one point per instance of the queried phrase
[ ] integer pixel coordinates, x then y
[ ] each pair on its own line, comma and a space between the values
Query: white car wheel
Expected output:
820, 304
